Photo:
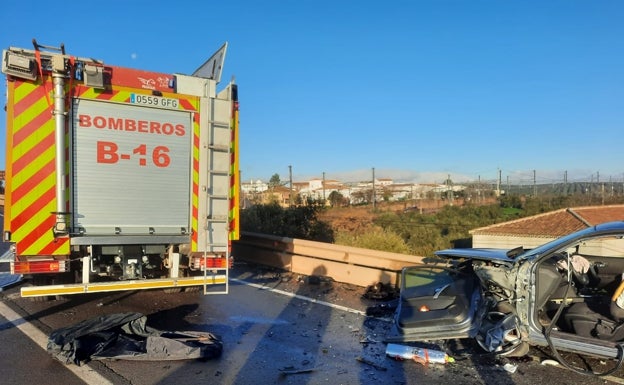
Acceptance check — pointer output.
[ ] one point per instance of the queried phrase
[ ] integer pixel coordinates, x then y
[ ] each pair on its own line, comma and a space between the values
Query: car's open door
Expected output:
436, 302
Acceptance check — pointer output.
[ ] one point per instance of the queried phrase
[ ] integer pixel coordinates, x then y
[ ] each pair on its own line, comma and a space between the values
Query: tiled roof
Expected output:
555, 223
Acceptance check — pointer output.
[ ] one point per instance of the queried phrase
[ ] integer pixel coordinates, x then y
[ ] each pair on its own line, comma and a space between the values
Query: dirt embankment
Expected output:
355, 218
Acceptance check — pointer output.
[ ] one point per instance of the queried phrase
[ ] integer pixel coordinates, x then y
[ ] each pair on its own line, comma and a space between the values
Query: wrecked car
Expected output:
560, 294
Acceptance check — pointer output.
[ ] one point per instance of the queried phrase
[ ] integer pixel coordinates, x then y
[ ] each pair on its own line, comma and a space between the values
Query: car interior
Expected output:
583, 278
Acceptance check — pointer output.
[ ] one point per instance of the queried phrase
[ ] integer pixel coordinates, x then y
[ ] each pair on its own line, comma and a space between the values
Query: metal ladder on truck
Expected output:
218, 203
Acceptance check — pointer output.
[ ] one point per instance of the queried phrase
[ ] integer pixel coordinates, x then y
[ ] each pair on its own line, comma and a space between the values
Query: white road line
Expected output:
84, 372
298, 296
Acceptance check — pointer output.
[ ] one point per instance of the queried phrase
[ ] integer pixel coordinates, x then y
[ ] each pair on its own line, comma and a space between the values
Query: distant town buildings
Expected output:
336, 192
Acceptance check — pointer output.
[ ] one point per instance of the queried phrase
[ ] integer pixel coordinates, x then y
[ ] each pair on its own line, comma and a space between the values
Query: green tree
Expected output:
362, 196
336, 199
295, 222
275, 181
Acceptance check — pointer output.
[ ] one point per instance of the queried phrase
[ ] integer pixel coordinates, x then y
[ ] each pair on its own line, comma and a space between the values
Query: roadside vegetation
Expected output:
390, 228
294, 222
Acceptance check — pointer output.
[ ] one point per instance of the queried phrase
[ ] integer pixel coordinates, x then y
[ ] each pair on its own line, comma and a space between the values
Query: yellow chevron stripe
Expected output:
123, 94
36, 108
26, 88
34, 166
92, 93
36, 160
31, 196
29, 199
27, 145
234, 189
35, 247
194, 180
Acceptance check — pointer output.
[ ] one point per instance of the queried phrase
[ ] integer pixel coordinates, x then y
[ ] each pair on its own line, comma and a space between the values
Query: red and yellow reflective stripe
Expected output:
31, 173
195, 184
234, 177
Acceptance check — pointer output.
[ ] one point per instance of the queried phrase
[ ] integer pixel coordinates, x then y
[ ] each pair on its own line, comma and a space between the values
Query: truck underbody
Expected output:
104, 268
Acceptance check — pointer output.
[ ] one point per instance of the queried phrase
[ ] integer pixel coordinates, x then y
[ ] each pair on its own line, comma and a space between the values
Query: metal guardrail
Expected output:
356, 266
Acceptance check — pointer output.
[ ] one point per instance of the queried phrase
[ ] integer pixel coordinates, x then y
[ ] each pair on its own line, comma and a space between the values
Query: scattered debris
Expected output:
550, 362
367, 340
291, 370
316, 279
371, 363
382, 309
421, 355
381, 291
510, 368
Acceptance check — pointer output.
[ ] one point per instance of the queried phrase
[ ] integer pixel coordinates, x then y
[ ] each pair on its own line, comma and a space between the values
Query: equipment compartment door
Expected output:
131, 169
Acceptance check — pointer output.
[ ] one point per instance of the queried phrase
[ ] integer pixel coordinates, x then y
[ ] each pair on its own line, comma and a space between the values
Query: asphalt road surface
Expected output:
276, 328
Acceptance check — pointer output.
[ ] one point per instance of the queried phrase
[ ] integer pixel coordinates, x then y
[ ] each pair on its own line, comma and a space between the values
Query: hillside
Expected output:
354, 218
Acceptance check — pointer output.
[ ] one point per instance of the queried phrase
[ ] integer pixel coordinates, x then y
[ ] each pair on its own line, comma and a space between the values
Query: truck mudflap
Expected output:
100, 287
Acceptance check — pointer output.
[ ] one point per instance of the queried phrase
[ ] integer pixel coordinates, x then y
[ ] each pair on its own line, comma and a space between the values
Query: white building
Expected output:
252, 187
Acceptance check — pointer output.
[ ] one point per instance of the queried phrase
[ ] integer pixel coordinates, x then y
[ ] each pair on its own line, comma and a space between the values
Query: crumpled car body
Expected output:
558, 294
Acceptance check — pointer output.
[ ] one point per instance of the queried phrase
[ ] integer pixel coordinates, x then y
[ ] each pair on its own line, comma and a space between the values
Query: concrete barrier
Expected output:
357, 266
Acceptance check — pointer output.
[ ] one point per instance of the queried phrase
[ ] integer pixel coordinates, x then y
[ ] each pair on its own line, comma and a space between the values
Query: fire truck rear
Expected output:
117, 178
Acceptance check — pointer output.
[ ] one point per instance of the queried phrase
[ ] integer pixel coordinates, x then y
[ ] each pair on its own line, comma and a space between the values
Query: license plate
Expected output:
154, 101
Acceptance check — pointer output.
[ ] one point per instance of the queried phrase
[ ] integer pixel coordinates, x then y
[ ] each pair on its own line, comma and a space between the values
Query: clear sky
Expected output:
417, 90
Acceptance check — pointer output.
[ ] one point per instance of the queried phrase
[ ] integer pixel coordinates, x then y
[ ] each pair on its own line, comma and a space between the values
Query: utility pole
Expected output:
449, 189
534, 185
323, 188
374, 196
290, 195
612, 187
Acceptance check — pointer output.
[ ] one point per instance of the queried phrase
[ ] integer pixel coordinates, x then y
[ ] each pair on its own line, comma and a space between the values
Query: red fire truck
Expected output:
118, 178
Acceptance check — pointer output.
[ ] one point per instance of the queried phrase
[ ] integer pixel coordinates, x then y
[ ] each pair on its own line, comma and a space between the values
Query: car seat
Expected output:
584, 321
598, 318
